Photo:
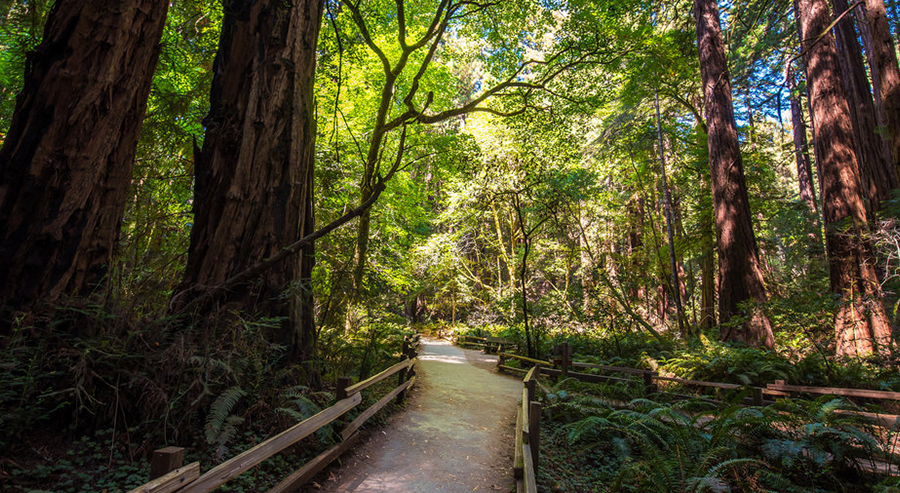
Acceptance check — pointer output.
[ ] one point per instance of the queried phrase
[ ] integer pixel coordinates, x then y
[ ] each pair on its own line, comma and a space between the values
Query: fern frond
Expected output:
219, 412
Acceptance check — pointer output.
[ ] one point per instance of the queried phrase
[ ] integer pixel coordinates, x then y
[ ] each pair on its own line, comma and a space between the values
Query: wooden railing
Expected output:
167, 474
759, 396
527, 443
528, 435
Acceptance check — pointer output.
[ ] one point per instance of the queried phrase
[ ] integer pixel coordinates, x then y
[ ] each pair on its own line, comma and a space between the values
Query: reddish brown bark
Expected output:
804, 168
65, 166
740, 278
253, 191
887, 73
861, 322
872, 151
865, 34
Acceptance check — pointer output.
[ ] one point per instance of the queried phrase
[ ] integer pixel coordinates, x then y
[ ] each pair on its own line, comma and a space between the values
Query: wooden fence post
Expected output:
534, 431
401, 375
649, 386
166, 460
530, 385
342, 384
565, 359
757, 396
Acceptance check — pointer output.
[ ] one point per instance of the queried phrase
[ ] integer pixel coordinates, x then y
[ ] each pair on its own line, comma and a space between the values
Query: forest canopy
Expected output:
280, 186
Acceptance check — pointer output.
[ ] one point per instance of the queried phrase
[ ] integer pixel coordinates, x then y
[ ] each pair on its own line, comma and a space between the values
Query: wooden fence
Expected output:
527, 445
168, 475
528, 435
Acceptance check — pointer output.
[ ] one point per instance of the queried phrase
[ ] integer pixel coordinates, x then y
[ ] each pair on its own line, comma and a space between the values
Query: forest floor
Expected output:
455, 434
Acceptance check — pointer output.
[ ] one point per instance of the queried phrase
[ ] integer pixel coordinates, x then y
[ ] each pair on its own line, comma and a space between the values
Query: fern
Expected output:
590, 426
229, 430
220, 411
303, 407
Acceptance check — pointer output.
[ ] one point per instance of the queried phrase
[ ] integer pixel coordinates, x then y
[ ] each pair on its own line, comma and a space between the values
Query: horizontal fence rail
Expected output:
527, 443
174, 478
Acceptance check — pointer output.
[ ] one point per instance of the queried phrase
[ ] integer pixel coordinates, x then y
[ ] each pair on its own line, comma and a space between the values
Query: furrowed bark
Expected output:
740, 277
888, 74
861, 324
253, 190
872, 151
65, 166
801, 154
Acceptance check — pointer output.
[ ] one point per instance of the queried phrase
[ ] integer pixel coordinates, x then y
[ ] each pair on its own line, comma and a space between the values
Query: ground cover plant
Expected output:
197, 242
593, 440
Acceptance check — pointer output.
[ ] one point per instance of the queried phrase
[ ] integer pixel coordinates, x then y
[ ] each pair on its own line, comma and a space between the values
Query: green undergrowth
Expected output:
87, 395
593, 440
705, 358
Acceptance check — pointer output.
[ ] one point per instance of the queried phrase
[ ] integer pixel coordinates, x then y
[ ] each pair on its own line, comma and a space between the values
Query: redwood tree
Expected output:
887, 73
254, 174
65, 166
740, 278
804, 168
872, 151
861, 322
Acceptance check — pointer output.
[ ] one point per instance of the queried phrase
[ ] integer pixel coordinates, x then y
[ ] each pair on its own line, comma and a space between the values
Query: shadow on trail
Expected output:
455, 435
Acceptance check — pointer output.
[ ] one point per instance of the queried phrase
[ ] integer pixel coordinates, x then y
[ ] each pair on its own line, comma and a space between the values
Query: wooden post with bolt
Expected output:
166, 460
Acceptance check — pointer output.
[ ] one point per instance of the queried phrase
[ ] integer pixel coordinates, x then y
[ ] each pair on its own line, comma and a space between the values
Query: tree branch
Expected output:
258, 268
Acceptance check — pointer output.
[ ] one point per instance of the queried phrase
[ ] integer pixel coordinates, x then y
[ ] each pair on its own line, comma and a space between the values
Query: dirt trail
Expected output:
455, 435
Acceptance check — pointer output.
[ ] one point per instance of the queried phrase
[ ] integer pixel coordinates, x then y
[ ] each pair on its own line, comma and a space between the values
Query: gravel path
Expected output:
455, 435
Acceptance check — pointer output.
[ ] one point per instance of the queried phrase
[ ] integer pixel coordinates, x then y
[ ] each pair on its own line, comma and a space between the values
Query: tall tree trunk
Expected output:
707, 272
865, 34
873, 153
253, 192
66, 162
739, 272
804, 167
667, 199
635, 246
861, 322
888, 74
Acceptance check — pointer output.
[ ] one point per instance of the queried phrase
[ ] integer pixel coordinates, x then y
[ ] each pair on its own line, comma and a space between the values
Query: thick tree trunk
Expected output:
861, 322
865, 34
873, 152
888, 74
253, 191
66, 162
740, 278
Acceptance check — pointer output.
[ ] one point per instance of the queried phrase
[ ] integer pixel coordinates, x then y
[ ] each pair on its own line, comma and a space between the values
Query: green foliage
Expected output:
221, 425
593, 441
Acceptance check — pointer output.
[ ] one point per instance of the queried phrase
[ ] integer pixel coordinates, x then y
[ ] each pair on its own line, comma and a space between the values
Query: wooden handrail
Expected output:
586, 377
475, 338
620, 369
231, 468
701, 383
779, 385
187, 479
524, 427
512, 368
301, 476
525, 358
171, 481
527, 434
356, 388
368, 413
530, 472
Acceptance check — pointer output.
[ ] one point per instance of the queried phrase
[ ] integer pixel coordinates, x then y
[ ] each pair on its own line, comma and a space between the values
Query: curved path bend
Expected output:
454, 435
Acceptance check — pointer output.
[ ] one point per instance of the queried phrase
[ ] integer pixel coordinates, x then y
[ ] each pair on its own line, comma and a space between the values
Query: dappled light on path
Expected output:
455, 435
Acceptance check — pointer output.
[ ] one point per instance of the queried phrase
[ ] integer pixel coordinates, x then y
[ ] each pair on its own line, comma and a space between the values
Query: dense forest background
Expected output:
211, 210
